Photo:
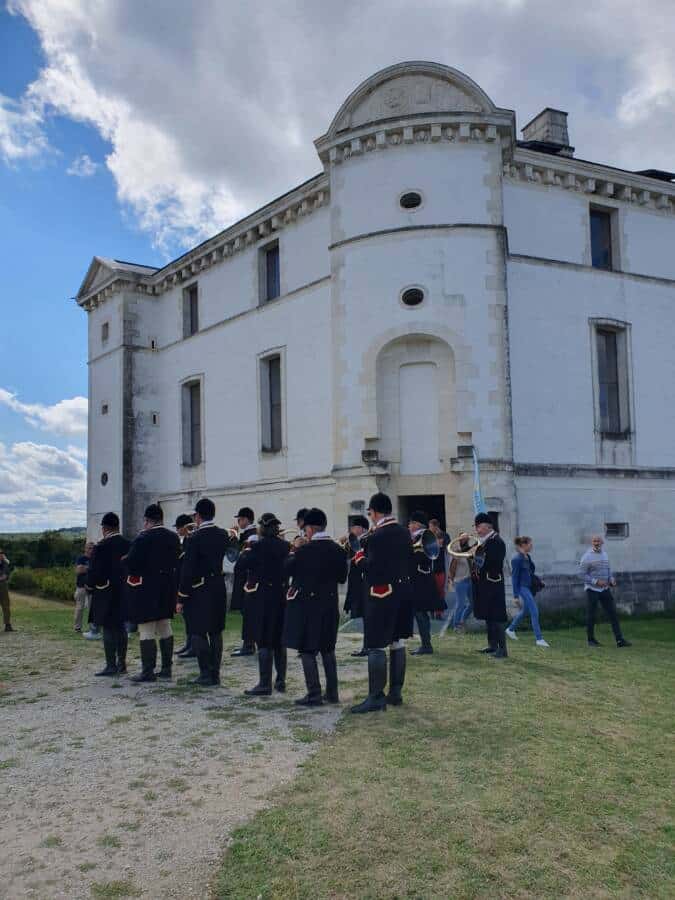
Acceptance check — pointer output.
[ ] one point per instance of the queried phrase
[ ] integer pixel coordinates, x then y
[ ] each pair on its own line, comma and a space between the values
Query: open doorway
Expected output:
432, 504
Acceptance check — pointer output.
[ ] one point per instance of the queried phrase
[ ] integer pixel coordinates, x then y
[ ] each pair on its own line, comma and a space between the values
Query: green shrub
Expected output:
56, 584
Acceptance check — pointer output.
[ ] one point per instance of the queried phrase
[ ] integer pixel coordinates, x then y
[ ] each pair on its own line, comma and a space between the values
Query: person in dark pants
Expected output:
263, 561
598, 580
440, 564
312, 613
105, 579
247, 532
354, 601
4, 591
202, 590
425, 595
489, 595
387, 560
150, 592
184, 526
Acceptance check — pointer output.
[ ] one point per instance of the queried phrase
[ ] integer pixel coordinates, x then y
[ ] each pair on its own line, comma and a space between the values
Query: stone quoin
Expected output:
439, 285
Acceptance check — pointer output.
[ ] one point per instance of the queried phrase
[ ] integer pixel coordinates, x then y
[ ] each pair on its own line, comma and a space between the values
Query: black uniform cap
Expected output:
362, 521
483, 519
316, 518
268, 520
182, 520
206, 508
419, 516
111, 520
154, 513
380, 503
245, 513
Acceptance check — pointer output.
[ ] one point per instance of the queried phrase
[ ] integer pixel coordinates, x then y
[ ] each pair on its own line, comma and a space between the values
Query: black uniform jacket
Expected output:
425, 594
202, 583
489, 600
354, 601
238, 596
151, 581
105, 578
265, 587
388, 563
312, 612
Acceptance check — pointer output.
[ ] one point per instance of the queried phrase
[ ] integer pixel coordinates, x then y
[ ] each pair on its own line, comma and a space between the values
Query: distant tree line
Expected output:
51, 549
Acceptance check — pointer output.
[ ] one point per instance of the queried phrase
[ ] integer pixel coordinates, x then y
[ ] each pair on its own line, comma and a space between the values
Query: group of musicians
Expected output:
287, 592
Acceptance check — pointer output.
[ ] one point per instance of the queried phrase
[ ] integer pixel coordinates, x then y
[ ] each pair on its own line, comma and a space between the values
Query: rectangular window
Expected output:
616, 530
270, 385
192, 423
270, 275
190, 310
613, 400
104, 409
105, 332
601, 239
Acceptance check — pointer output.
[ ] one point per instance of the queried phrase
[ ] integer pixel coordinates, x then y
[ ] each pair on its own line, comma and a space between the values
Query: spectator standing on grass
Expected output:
598, 580
4, 591
525, 584
81, 593
460, 575
439, 565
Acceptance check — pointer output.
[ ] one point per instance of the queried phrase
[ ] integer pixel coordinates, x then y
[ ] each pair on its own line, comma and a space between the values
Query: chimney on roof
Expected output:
548, 132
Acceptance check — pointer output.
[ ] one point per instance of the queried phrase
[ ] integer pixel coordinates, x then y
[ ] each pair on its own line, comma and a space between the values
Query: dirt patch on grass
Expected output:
116, 790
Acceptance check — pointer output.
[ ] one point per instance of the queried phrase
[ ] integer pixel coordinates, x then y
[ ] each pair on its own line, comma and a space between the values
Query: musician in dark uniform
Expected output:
202, 591
151, 591
105, 579
425, 595
387, 560
354, 601
184, 526
263, 561
489, 601
312, 612
247, 530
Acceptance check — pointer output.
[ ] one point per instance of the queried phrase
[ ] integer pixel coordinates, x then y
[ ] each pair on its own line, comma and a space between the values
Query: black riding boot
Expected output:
492, 639
148, 661
203, 651
280, 663
377, 680
122, 644
264, 686
500, 638
166, 651
216, 639
363, 651
110, 650
424, 626
330, 668
311, 671
396, 676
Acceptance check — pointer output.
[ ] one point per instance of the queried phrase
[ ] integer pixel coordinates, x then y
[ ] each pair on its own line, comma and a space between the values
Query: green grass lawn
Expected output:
546, 775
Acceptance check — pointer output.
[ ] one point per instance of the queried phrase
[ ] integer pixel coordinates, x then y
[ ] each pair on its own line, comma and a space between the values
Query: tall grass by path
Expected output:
547, 775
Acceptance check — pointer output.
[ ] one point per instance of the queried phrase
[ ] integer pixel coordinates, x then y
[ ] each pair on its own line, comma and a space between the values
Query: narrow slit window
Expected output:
613, 400
192, 423
190, 310
601, 239
271, 404
270, 272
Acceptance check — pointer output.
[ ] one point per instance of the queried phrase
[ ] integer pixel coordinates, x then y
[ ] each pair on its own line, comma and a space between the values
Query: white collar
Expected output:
387, 520
418, 532
209, 524
320, 536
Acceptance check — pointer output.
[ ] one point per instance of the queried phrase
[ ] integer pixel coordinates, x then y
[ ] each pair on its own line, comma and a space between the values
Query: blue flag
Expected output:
478, 502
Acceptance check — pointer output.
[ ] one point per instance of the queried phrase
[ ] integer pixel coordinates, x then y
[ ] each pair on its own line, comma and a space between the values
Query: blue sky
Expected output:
135, 130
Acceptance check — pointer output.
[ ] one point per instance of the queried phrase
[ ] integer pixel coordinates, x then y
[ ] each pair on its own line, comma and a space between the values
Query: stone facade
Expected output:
500, 353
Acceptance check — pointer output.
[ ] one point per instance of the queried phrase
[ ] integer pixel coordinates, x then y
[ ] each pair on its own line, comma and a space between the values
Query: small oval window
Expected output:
104, 478
412, 297
410, 200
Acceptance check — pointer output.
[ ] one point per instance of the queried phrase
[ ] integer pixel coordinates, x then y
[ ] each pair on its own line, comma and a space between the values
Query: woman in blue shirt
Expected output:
522, 570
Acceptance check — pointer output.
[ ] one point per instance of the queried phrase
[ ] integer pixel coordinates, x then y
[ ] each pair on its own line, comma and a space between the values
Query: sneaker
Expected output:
542, 643
78, 630
511, 634
92, 636
623, 643
593, 643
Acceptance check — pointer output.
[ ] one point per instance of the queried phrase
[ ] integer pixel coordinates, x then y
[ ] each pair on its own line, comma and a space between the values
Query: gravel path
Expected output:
109, 789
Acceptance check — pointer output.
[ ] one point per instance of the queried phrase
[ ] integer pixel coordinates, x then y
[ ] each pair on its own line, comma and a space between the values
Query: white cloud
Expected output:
82, 166
213, 112
21, 133
41, 487
65, 417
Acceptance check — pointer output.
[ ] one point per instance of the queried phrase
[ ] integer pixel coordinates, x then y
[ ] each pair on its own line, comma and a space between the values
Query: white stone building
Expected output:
439, 286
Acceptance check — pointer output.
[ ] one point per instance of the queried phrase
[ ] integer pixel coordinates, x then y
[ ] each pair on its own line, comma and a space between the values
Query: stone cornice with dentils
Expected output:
264, 223
593, 179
